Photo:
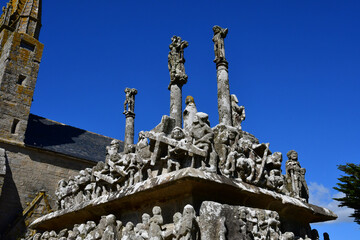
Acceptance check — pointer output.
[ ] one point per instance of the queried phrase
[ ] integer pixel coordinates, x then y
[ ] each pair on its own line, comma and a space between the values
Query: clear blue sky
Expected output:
294, 65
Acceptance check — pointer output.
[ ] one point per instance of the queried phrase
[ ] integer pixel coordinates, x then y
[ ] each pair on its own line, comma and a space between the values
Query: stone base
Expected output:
172, 191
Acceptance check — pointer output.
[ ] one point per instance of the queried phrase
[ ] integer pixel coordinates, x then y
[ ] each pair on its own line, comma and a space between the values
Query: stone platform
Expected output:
172, 191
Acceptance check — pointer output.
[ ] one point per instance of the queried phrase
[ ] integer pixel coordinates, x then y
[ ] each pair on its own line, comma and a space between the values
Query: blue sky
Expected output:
294, 65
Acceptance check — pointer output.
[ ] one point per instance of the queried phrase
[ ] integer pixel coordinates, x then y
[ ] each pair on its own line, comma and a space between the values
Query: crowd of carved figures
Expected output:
252, 223
224, 150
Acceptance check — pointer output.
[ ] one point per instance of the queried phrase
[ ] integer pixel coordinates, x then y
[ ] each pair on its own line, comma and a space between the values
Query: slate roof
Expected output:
57, 137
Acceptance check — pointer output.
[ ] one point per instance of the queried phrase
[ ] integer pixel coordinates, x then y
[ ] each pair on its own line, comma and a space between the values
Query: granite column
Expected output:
223, 89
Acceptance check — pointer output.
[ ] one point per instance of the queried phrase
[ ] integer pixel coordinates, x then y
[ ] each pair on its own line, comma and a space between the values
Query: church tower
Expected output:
20, 55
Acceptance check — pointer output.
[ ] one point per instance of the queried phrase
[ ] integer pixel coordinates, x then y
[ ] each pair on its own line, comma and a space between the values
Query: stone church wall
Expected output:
28, 171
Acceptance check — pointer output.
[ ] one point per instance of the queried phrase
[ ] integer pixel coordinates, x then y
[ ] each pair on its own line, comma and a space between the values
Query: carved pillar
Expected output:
178, 77
129, 128
176, 103
224, 100
129, 113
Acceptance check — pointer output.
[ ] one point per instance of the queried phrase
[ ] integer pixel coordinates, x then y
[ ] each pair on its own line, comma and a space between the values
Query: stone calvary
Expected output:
186, 180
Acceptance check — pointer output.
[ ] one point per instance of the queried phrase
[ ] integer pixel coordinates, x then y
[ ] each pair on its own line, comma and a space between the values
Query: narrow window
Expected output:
27, 45
21, 80
14, 126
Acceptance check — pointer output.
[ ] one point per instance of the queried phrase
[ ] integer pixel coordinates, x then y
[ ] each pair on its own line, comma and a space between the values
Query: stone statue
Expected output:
110, 232
189, 113
143, 227
238, 112
218, 39
60, 193
189, 229
156, 222
274, 180
112, 151
128, 232
177, 225
142, 146
176, 61
175, 153
129, 103
295, 177
202, 137
245, 163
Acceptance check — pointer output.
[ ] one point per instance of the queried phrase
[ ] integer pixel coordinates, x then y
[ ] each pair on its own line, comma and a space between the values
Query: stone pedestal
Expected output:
129, 129
176, 103
223, 91
172, 191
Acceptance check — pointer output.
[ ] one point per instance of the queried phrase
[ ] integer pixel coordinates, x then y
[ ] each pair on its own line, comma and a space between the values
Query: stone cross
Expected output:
178, 77
129, 106
224, 102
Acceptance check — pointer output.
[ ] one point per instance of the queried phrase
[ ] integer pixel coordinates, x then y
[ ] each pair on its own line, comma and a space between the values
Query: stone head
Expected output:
145, 218
110, 219
141, 135
202, 117
292, 155
102, 222
216, 29
90, 225
276, 159
177, 133
45, 235
129, 226
177, 217
37, 236
232, 134
115, 144
156, 210
189, 211
243, 213
62, 183
52, 234
261, 215
288, 236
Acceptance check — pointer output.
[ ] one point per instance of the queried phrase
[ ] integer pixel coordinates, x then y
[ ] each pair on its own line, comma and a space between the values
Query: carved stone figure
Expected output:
245, 163
60, 193
274, 180
143, 227
129, 103
189, 229
156, 222
238, 112
295, 176
176, 61
110, 232
176, 153
128, 232
274, 226
142, 146
189, 113
218, 39
178, 77
112, 151
177, 225
202, 137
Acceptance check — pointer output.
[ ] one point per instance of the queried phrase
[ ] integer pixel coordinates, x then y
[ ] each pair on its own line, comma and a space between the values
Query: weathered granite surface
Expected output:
213, 221
178, 186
